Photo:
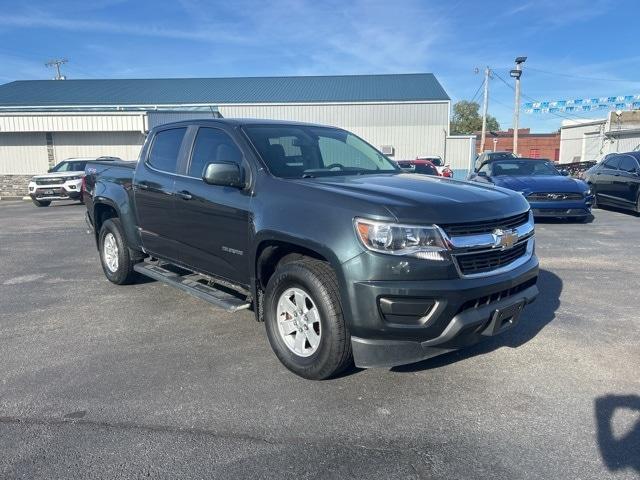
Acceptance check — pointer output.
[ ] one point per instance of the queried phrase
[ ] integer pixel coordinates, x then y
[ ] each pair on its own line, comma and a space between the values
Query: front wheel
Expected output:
115, 256
304, 320
41, 203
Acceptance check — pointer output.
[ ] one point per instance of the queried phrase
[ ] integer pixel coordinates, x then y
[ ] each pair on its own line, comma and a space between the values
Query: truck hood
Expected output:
543, 183
58, 175
415, 198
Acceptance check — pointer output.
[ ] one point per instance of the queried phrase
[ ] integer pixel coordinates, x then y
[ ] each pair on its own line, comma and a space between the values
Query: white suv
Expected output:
63, 182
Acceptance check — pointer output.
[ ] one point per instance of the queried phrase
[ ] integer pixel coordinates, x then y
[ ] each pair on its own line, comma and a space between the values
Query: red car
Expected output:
438, 162
427, 167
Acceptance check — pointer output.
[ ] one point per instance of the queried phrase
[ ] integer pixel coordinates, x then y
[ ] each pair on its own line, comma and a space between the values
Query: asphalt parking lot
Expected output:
101, 381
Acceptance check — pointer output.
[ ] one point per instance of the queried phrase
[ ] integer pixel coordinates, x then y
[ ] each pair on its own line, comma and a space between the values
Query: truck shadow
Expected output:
534, 318
618, 451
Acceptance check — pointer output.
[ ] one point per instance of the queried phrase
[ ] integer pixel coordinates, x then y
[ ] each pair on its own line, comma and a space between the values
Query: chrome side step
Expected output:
190, 284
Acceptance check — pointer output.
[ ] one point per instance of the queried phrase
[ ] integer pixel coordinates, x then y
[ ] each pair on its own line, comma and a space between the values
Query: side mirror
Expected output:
226, 174
50, 170
564, 172
482, 174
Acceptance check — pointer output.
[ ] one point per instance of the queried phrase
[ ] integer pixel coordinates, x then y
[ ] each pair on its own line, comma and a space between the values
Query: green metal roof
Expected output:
172, 91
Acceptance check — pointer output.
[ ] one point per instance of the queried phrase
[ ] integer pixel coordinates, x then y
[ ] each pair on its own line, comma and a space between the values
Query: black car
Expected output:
616, 181
343, 255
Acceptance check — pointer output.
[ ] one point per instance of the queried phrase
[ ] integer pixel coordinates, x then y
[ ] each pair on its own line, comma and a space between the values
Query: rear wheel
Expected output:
304, 321
41, 203
115, 256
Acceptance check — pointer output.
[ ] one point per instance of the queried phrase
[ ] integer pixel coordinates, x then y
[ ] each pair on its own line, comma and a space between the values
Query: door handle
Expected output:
142, 186
183, 194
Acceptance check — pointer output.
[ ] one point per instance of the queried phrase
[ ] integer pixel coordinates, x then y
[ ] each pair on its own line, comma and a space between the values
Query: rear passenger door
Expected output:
154, 188
213, 219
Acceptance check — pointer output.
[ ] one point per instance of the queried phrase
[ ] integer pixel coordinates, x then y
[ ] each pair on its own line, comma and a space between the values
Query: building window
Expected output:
534, 153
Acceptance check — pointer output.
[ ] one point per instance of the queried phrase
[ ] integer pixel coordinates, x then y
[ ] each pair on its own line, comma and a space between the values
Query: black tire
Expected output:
41, 203
124, 273
318, 280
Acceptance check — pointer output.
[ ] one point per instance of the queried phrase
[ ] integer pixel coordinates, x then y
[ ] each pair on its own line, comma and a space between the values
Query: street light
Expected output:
517, 73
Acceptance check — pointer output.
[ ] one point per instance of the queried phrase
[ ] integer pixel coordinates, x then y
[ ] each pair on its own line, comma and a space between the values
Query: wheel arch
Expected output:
271, 249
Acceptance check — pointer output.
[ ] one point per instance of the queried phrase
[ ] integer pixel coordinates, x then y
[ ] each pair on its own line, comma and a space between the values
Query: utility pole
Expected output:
56, 63
517, 73
485, 107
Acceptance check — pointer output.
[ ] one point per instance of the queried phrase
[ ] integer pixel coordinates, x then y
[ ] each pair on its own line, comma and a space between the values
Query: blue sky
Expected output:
575, 48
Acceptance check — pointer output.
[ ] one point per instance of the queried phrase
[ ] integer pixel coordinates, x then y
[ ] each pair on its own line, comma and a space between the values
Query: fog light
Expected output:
72, 187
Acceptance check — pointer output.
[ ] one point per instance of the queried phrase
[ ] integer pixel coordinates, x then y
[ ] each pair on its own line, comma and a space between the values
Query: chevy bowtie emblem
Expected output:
504, 238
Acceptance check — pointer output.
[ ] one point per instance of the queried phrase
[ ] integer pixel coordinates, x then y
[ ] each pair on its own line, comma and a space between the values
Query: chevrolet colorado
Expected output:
346, 258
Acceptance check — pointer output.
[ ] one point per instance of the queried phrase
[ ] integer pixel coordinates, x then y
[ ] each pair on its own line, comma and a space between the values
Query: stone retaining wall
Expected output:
14, 186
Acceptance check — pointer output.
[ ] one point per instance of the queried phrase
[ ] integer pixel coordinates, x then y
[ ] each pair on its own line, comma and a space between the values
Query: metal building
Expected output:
585, 140
45, 121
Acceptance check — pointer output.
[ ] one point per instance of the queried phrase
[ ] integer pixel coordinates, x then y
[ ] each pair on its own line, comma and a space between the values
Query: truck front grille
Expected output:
488, 226
554, 197
49, 181
488, 260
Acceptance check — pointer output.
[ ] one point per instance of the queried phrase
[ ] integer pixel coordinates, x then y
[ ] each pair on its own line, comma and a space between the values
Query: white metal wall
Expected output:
125, 145
71, 122
461, 152
23, 153
582, 142
411, 128
625, 142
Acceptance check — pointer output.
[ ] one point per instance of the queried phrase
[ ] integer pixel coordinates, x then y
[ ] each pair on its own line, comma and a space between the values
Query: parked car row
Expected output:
614, 181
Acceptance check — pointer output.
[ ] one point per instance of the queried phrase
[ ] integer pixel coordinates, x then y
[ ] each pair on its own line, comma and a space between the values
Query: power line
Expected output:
580, 77
477, 91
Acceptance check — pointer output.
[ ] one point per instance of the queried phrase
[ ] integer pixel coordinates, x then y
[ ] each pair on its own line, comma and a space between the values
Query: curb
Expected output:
14, 198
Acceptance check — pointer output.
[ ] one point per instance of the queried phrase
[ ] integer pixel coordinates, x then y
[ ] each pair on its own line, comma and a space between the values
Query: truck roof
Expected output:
240, 122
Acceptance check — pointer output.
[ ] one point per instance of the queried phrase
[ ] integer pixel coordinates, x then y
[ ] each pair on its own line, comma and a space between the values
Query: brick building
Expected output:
533, 145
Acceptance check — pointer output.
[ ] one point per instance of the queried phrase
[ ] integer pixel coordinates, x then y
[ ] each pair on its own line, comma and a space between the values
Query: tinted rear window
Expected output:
628, 164
612, 162
165, 149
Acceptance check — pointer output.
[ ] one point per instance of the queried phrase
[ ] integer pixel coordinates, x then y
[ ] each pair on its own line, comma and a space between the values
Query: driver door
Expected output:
213, 219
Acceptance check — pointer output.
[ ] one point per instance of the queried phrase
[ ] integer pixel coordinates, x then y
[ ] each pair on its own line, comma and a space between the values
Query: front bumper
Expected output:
70, 190
463, 313
562, 209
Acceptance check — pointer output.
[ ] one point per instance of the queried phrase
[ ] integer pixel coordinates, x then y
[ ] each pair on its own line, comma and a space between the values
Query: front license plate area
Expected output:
504, 318
48, 192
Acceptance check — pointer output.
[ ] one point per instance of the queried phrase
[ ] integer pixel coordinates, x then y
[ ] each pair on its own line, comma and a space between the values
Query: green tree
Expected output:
467, 119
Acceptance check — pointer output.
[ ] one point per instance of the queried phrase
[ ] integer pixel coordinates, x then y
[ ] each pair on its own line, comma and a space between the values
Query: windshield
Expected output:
501, 155
69, 167
522, 167
298, 151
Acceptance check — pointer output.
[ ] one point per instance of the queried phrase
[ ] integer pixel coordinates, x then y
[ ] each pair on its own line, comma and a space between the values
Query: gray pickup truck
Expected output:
346, 258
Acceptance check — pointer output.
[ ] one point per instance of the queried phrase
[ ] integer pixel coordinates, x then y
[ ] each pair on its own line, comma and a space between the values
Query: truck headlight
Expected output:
77, 177
426, 242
